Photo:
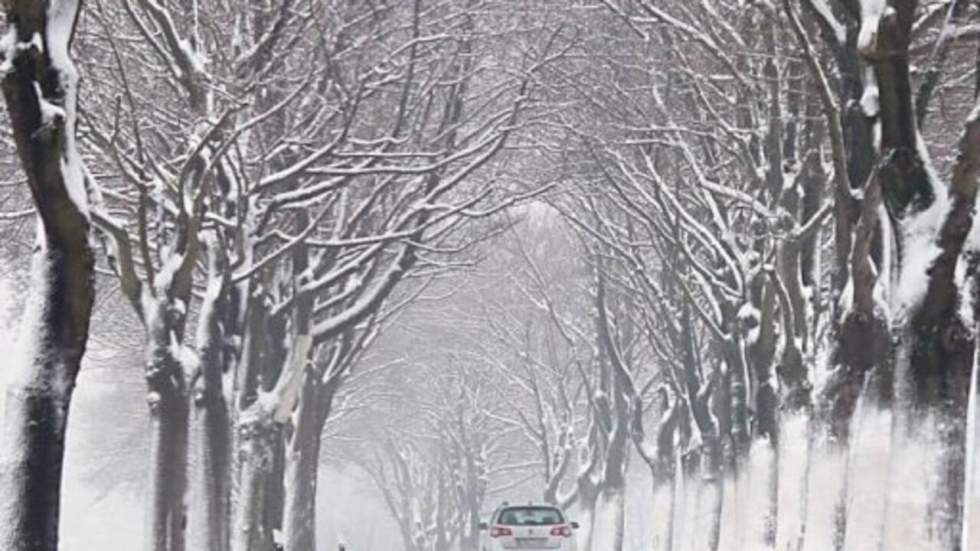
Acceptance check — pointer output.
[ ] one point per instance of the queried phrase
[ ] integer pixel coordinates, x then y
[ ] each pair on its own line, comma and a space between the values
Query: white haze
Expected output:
350, 509
93, 518
110, 517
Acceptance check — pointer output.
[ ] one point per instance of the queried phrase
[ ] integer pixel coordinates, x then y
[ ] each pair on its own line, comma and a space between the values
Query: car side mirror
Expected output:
483, 526
574, 525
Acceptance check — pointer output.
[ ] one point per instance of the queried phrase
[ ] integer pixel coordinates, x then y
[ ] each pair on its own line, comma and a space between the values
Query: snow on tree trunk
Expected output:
302, 460
711, 495
586, 501
609, 520
209, 509
661, 515
754, 498
826, 491
169, 411
210, 427
36, 408
275, 491
259, 443
40, 88
685, 506
660, 462
729, 510
793, 467
257, 439
869, 462
934, 343
972, 491
928, 471
586, 521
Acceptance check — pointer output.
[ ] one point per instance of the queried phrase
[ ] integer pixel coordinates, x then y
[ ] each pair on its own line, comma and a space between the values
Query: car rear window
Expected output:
530, 516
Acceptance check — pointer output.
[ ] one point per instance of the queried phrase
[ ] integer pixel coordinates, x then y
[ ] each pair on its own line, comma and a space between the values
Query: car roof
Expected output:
528, 504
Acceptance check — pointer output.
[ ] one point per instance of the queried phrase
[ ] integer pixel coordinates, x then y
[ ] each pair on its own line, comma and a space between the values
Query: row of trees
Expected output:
764, 292
765, 246
267, 183
801, 267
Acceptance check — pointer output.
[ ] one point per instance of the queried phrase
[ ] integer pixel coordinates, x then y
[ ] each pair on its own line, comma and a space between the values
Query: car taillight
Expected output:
563, 531
498, 531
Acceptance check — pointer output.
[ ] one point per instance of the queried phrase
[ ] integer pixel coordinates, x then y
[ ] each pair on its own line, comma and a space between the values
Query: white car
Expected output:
529, 528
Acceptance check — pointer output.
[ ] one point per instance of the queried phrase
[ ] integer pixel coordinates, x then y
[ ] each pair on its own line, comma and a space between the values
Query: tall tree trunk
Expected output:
275, 488
169, 422
588, 494
256, 437
869, 462
826, 484
663, 485
208, 523
793, 475
609, 520
38, 396
302, 460
711, 492
934, 351
210, 480
972, 491
40, 89
255, 451
678, 500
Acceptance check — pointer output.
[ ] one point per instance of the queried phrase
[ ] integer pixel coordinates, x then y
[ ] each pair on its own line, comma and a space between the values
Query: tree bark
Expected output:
41, 98
610, 504
208, 526
302, 461
36, 406
169, 422
610, 517
586, 518
209, 511
256, 447
935, 349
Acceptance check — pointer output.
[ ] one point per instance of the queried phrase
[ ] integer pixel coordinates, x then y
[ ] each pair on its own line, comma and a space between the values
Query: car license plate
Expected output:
531, 542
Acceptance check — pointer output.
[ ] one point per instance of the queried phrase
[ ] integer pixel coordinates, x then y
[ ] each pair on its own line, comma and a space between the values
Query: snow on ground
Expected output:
8, 337
350, 507
99, 512
113, 522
